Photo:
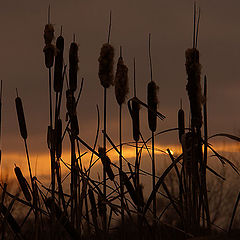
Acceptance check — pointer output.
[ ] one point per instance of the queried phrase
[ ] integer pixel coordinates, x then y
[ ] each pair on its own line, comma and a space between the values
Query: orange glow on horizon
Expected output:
40, 164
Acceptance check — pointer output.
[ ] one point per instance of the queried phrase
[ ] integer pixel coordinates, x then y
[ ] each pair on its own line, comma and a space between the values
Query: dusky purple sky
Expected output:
170, 24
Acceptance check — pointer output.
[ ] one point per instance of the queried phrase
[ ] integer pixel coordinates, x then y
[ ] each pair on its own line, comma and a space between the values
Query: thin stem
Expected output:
109, 27
50, 96
120, 165
197, 27
149, 54
153, 182
49, 14
104, 146
134, 77
205, 153
194, 24
29, 166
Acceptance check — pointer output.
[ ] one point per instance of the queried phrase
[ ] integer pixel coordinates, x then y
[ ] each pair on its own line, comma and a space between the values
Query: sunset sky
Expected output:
170, 24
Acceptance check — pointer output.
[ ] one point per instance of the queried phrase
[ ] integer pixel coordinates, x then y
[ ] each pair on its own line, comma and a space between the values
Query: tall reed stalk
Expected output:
121, 91
105, 74
152, 101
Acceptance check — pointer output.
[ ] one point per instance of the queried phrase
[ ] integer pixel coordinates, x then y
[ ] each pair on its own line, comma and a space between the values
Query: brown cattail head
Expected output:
106, 62
49, 51
10, 219
58, 132
152, 100
74, 125
73, 66
92, 201
60, 43
23, 183
106, 162
101, 205
121, 81
135, 120
181, 124
21, 118
93, 208
58, 68
193, 87
48, 33
62, 218
188, 151
71, 103
132, 192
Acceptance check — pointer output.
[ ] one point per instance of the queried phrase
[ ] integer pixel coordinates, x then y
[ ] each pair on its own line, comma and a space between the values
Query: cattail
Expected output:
133, 194
152, 101
187, 146
106, 62
71, 103
181, 124
23, 183
21, 118
10, 219
54, 208
74, 125
135, 120
59, 138
48, 33
101, 205
93, 208
121, 81
193, 87
92, 201
106, 162
58, 75
73, 66
49, 137
49, 51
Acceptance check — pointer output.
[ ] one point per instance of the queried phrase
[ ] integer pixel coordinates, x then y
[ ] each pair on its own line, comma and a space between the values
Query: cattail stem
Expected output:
205, 154
120, 165
104, 146
73, 183
50, 96
153, 183
29, 166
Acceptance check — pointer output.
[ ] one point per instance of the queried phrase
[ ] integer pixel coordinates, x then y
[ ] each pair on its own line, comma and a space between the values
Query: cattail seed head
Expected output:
106, 62
121, 81
101, 205
71, 103
193, 87
60, 43
181, 123
23, 183
73, 66
21, 118
58, 75
135, 120
48, 33
92, 201
187, 146
49, 51
10, 219
74, 125
130, 188
106, 162
152, 100
59, 138
54, 208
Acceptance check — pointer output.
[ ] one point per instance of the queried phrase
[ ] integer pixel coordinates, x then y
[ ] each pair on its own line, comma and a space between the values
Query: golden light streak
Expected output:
40, 163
